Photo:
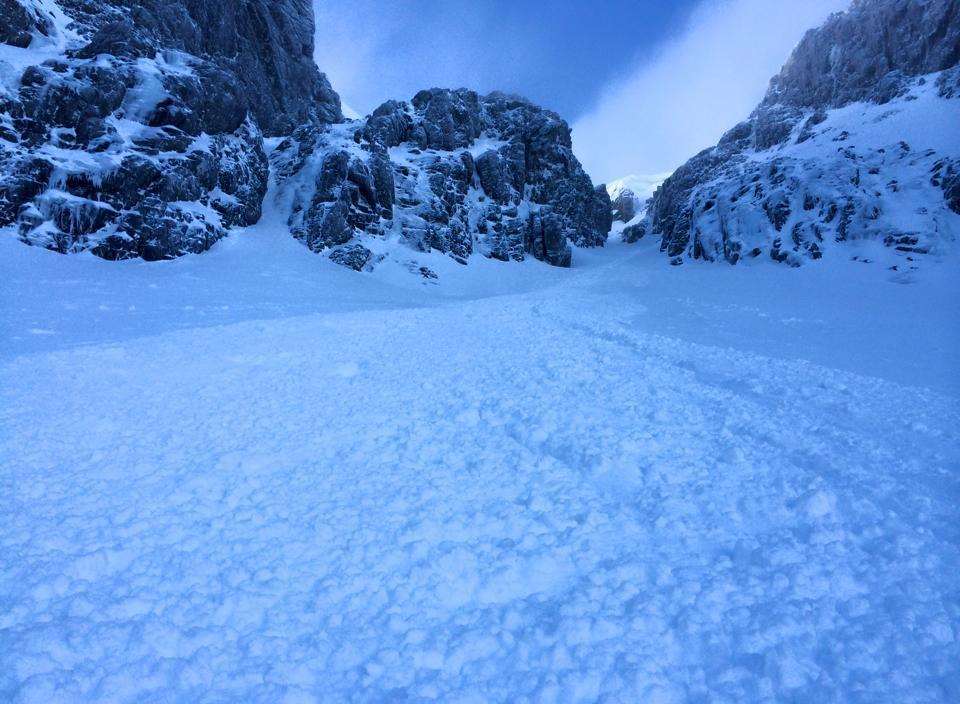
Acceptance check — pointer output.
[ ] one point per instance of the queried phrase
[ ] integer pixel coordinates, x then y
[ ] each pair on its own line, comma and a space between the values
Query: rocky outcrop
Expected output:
22, 22
144, 137
946, 174
263, 49
866, 53
626, 205
841, 148
450, 171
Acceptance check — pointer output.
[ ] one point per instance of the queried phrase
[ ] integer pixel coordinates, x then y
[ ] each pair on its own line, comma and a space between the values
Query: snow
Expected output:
641, 186
349, 112
141, 100
252, 475
13, 60
920, 118
486, 143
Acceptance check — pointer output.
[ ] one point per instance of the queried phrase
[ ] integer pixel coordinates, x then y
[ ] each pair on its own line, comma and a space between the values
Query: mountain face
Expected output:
451, 171
857, 139
139, 133
137, 129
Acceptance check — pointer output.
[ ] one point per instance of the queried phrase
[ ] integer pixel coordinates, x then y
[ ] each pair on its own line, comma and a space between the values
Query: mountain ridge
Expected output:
758, 191
142, 132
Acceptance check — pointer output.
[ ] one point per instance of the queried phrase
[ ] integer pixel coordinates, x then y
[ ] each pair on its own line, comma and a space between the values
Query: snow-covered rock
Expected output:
23, 22
451, 171
136, 129
856, 140
630, 195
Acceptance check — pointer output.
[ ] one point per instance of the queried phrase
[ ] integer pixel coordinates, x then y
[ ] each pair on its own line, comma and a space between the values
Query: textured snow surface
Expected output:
255, 476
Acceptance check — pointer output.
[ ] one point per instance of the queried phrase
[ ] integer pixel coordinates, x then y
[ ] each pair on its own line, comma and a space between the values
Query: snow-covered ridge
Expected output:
643, 187
854, 151
630, 194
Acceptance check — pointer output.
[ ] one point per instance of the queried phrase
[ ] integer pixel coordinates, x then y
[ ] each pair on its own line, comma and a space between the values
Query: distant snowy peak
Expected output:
855, 150
641, 186
630, 194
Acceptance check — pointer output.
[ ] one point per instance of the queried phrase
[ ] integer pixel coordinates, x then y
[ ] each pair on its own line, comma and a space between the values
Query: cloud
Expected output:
700, 84
553, 53
343, 53
373, 50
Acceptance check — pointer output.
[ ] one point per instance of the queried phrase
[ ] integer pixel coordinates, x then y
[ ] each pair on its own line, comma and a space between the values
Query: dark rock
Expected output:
947, 173
817, 118
169, 102
384, 185
389, 125
195, 84
351, 195
19, 23
154, 208
261, 51
625, 206
120, 38
948, 84
436, 195
853, 55
634, 233
20, 185
547, 239
494, 174
352, 256
451, 119
773, 125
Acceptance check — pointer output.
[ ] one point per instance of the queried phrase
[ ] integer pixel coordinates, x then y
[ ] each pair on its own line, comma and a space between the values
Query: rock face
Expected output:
856, 140
450, 171
21, 22
626, 205
135, 128
142, 133
260, 52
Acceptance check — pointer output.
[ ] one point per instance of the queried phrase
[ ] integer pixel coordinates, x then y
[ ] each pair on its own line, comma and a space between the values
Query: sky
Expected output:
646, 84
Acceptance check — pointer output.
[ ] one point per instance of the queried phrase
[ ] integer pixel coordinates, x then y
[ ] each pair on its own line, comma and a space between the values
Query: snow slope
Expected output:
798, 184
267, 478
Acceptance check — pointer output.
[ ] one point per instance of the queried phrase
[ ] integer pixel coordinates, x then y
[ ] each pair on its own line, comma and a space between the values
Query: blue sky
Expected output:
558, 53
645, 83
